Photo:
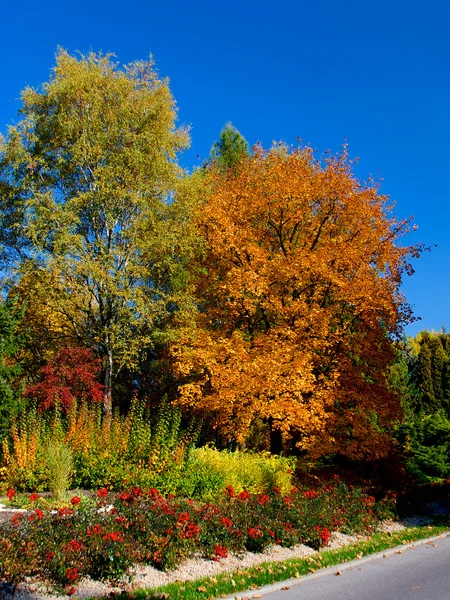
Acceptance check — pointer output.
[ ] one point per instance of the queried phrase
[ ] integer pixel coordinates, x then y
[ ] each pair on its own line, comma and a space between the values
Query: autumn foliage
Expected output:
299, 290
71, 375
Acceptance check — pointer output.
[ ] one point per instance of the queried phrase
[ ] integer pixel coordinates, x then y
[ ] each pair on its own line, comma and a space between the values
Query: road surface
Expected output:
420, 571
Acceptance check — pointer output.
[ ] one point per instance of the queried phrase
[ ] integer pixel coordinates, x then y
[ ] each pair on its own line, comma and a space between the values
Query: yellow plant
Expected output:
244, 470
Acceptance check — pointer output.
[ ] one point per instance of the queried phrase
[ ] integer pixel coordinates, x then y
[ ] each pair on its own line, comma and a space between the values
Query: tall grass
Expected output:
59, 459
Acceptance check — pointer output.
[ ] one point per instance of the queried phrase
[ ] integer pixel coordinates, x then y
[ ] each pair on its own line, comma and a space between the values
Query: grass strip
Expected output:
253, 578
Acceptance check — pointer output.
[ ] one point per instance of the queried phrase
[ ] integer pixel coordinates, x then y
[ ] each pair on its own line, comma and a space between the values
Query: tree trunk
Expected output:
276, 439
107, 396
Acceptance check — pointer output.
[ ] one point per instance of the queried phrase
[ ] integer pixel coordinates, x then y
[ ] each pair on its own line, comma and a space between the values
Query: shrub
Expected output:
426, 443
137, 526
243, 470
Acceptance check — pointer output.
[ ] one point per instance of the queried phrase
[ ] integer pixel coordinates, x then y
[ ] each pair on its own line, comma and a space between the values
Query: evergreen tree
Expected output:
10, 343
229, 149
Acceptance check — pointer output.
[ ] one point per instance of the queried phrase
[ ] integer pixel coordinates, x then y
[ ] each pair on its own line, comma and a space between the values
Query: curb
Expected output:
276, 587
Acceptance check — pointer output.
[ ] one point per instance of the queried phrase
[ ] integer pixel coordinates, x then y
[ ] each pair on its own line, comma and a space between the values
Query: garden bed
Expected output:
109, 536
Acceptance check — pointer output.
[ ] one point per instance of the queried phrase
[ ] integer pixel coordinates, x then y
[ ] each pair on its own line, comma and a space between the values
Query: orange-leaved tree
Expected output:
300, 297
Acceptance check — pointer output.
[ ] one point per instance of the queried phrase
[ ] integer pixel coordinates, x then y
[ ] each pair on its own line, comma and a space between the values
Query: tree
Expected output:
230, 149
300, 297
10, 343
91, 169
430, 370
71, 376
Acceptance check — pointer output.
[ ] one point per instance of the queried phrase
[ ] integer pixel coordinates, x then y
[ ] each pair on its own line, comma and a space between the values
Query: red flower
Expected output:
71, 591
136, 491
34, 497
102, 492
121, 519
263, 499
75, 500
153, 492
72, 574
74, 545
191, 531
254, 532
11, 493
227, 523
38, 512
16, 518
126, 497
243, 496
310, 494
368, 500
64, 512
271, 533
183, 517
230, 491
49, 555
219, 552
324, 534
95, 530
114, 536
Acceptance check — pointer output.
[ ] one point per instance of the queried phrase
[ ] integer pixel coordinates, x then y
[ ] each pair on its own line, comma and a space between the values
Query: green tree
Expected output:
229, 149
10, 343
432, 372
92, 166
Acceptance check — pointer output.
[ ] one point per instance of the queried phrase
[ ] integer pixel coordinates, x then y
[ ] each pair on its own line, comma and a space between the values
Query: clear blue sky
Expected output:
376, 73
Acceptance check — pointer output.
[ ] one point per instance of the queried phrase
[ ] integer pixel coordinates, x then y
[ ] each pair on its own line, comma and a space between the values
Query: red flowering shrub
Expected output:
219, 552
72, 574
152, 529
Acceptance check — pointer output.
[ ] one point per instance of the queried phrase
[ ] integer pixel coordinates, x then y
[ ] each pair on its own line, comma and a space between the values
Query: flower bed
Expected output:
105, 537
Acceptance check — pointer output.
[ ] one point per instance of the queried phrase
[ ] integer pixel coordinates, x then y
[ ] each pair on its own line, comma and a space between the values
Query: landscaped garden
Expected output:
212, 362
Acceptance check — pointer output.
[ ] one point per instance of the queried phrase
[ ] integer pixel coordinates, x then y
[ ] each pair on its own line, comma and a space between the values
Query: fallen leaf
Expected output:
399, 552
202, 589
338, 573
286, 587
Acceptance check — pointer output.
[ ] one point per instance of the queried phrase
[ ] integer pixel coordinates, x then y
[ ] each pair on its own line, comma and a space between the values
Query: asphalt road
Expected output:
420, 572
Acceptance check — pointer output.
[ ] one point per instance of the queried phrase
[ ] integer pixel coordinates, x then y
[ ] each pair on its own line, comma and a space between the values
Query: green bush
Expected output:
426, 444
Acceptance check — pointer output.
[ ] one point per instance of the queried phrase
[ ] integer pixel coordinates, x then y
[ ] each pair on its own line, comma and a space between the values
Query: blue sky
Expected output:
376, 74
